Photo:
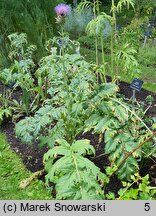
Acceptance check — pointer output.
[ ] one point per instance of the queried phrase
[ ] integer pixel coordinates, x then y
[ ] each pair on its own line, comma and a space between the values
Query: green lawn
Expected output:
12, 172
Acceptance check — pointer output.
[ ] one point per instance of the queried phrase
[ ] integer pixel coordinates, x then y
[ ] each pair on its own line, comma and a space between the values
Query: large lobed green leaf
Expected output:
75, 177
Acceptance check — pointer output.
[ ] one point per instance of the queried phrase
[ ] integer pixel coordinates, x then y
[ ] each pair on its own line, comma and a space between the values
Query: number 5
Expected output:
147, 207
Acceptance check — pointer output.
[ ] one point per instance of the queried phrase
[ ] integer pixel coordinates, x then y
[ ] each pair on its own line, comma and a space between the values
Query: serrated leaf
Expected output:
121, 113
91, 122
63, 142
129, 167
75, 177
102, 125
107, 90
83, 147
53, 153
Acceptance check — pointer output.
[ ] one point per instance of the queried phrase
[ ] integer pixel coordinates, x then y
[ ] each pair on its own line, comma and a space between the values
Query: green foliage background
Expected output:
35, 18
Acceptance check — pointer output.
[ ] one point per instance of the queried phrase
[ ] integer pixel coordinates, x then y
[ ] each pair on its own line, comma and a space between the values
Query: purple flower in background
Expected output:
62, 9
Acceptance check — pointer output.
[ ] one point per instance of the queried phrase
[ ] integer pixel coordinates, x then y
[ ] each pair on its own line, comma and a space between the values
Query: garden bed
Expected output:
32, 156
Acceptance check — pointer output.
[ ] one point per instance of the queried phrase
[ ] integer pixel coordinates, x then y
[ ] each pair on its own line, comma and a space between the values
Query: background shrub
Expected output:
35, 18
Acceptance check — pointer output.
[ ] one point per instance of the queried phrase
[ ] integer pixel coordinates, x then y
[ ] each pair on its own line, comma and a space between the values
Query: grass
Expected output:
12, 172
147, 60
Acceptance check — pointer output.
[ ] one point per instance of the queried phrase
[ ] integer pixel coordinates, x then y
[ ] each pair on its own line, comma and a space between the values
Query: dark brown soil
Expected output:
32, 156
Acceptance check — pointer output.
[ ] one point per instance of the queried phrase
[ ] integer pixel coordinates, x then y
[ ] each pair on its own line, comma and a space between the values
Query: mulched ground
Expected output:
32, 156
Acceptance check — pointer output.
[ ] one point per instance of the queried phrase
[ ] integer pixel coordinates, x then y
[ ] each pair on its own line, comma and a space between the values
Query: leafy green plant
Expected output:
137, 189
62, 98
66, 121
66, 163
70, 82
126, 62
96, 27
82, 106
145, 7
21, 55
63, 44
134, 32
20, 73
114, 42
7, 112
122, 131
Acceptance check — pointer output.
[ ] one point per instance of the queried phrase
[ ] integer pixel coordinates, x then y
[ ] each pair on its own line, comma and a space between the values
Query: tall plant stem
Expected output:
102, 46
117, 66
113, 35
46, 87
63, 64
103, 58
62, 36
65, 76
97, 56
112, 52
96, 40
114, 19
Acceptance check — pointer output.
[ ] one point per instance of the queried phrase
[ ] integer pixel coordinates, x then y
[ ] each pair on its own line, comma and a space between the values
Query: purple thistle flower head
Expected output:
62, 9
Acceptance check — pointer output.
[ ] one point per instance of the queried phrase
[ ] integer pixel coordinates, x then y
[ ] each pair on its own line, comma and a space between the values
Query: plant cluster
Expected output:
77, 104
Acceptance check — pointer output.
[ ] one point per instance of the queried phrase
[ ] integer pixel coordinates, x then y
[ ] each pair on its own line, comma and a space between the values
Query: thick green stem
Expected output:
103, 59
96, 40
102, 47
113, 35
65, 76
62, 36
114, 18
112, 53
97, 56
46, 87
117, 71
